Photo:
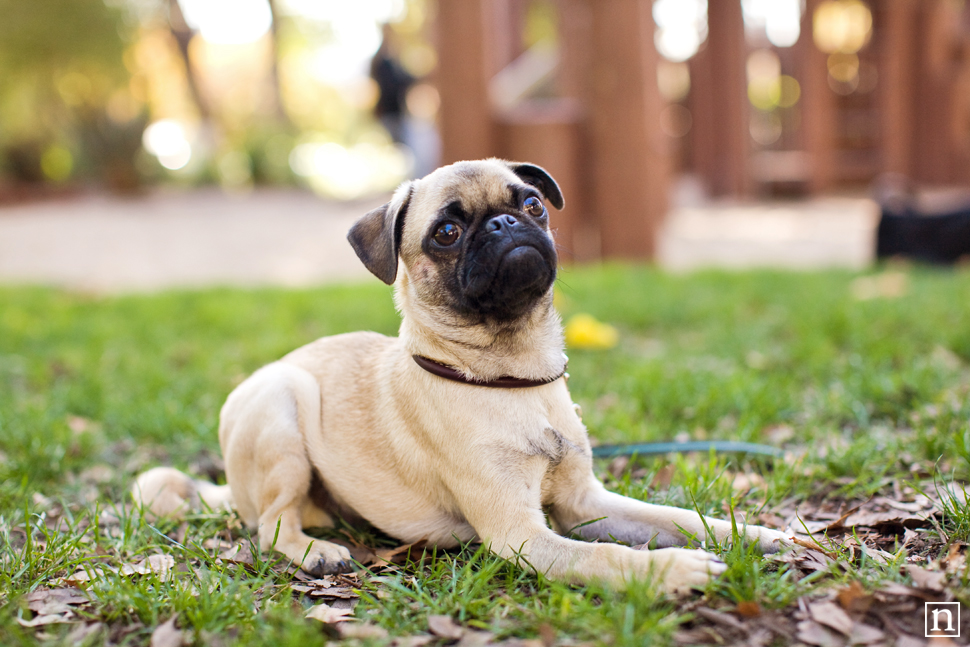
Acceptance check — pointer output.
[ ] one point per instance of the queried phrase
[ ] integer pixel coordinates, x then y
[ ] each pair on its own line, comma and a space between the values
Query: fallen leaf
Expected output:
362, 631
744, 482
926, 579
398, 555
759, 638
341, 592
832, 616
863, 634
166, 635
238, 554
159, 564
54, 601
909, 641
895, 589
41, 501
547, 634
813, 633
854, 598
82, 632
98, 474
51, 619
88, 574
749, 609
412, 641
481, 638
444, 627
807, 560
81, 425
328, 615
956, 559
813, 546
719, 618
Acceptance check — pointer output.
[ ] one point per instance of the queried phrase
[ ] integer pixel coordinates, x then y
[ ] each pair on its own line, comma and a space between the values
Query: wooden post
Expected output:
817, 106
894, 30
627, 166
720, 140
933, 146
465, 65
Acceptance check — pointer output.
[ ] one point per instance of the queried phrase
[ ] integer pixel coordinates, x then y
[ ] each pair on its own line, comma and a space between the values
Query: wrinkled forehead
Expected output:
473, 185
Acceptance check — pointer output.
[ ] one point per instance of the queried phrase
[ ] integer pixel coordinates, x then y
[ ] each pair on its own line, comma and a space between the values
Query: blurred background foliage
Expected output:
126, 93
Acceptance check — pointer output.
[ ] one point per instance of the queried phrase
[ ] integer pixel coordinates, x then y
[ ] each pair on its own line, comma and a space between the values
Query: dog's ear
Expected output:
540, 179
376, 237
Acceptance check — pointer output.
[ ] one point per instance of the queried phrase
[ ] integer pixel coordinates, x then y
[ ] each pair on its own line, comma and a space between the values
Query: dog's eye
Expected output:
533, 206
447, 234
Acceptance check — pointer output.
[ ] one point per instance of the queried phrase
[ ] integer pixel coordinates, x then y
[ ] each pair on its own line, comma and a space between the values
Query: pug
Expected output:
459, 429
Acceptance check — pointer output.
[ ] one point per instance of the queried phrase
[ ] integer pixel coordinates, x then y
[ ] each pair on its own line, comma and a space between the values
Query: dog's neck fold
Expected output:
529, 348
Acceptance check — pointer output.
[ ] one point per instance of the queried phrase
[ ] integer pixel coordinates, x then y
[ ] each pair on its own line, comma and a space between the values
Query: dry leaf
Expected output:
388, 555
813, 633
412, 641
444, 627
926, 579
482, 638
52, 619
363, 631
87, 575
956, 559
831, 615
166, 635
719, 618
863, 634
160, 565
744, 482
328, 615
82, 632
664, 477
854, 598
894, 589
80, 425
238, 554
98, 474
547, 634
45, 602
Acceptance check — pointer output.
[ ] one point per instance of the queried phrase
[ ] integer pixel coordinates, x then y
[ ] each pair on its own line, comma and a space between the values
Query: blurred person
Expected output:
413, 129
393, 83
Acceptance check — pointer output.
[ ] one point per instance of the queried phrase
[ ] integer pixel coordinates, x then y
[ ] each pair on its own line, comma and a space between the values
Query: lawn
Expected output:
863, 380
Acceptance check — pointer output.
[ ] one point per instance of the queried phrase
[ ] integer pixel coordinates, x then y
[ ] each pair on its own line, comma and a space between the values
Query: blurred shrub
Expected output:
63, 80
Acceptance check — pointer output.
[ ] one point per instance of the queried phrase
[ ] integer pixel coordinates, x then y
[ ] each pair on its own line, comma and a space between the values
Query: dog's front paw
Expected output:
769, 541
681, 569
326, 558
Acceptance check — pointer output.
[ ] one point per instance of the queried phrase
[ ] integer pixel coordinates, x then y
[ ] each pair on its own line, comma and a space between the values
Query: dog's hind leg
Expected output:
262, 429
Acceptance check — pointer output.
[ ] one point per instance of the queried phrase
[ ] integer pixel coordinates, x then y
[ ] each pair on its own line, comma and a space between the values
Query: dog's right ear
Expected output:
377, 236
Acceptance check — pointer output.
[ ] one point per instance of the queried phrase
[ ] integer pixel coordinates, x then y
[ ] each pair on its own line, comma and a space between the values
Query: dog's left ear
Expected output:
540, 179
376, 237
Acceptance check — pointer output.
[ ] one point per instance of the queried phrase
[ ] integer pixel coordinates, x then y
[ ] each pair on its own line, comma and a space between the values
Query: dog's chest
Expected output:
550, 444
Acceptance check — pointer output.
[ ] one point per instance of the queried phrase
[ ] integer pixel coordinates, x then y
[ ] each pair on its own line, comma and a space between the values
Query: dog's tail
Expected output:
167, 492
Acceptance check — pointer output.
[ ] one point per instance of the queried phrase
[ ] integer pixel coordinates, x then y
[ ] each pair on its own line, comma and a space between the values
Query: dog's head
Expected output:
473, 237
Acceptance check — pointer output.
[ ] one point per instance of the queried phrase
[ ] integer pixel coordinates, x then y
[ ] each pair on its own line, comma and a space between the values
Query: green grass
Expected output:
93, 390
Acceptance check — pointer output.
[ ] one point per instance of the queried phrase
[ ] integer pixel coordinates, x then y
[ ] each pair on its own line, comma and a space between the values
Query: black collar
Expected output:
504, 382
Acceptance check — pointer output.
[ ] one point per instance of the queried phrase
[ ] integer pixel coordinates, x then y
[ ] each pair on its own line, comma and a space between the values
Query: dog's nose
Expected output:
503, 222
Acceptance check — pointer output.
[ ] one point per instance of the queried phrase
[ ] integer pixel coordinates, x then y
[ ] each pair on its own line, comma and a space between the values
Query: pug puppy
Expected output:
461, 427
